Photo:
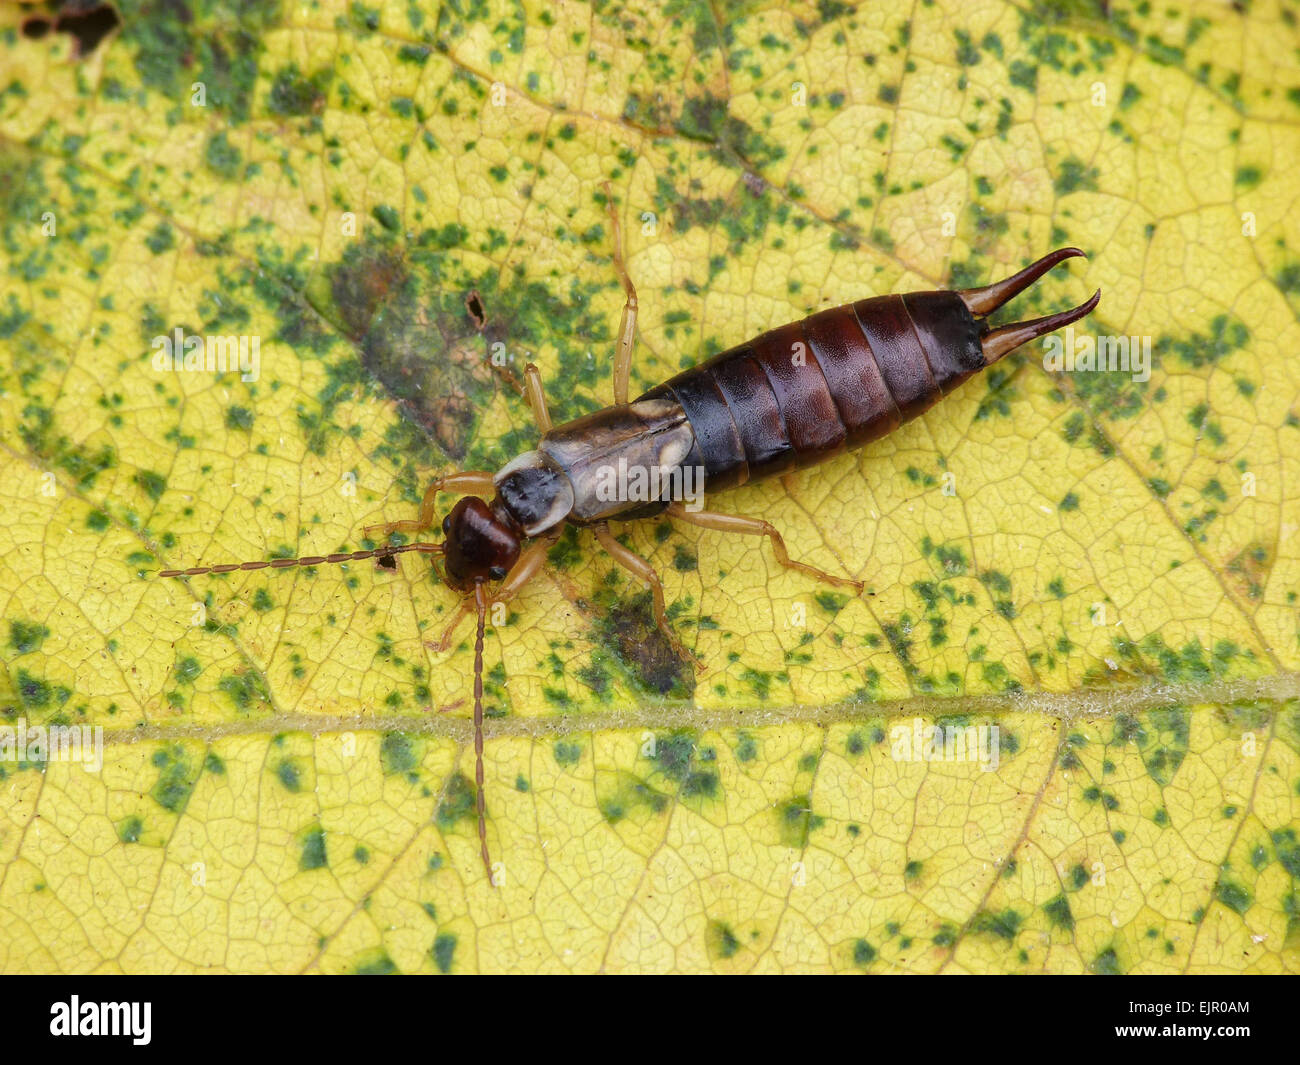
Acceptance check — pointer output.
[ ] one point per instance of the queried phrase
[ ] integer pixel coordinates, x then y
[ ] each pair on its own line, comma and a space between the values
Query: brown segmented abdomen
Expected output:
801, 393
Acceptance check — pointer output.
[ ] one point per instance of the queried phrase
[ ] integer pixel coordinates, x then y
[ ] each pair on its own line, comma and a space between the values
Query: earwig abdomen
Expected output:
799, 394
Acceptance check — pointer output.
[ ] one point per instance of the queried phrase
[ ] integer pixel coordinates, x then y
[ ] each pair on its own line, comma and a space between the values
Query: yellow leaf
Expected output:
1086, 579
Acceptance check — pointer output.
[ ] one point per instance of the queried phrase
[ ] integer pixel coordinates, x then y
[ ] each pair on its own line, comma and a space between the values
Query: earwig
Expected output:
789, 399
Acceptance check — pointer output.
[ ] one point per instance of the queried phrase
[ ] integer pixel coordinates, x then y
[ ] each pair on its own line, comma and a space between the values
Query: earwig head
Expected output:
988, 298
482, 544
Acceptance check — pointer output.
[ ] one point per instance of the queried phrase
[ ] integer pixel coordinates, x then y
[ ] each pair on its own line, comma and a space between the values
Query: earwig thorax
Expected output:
535, 491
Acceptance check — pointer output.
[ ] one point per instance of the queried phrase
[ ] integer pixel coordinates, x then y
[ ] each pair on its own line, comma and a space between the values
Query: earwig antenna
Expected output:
480, 603
306, 560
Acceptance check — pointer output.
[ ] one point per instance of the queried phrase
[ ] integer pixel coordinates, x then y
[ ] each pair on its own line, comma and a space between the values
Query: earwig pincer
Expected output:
793, 397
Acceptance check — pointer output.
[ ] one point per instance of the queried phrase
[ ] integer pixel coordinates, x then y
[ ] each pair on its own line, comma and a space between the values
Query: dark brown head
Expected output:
482, 545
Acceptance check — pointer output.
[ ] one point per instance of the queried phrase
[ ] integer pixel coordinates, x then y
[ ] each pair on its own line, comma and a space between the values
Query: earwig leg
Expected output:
642, 569
537, 397
524, 570
529, 564
470, 482
444, 641
757, 527
627, 327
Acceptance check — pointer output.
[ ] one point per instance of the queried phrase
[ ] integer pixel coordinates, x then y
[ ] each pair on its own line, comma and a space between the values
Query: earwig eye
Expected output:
446, 525
497, 573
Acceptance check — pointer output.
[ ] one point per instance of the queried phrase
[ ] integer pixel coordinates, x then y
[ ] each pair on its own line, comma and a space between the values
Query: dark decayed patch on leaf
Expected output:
1164, 742
627, 630
404, 305
176, 43
443, 951
1058, 912
795, 820
720, 941
419, 351
289, 776
177, 772
679, 758
707, 118
312, 854
1004, 925
863, 953
296, 94
457, 802
1232, 894
26, 636
622, 795
129, 829
82, 464
245, 689
1198, 350
375, 963
397, 753
222, 157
